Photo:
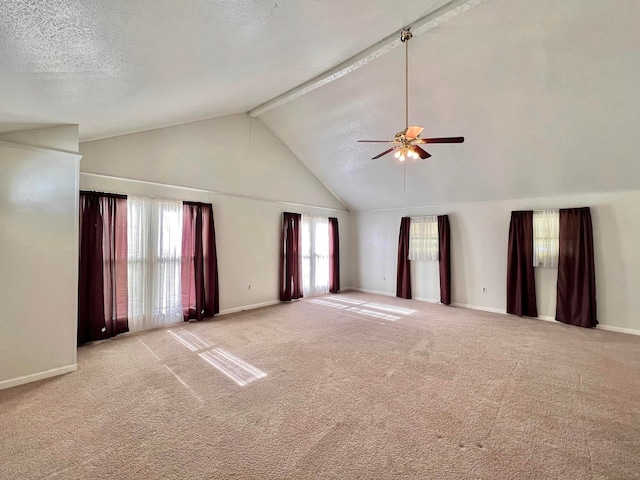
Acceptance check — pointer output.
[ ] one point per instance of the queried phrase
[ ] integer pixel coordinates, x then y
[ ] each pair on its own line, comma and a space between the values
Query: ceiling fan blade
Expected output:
375, 141
384, 153
421, 153
442, 140
413, 131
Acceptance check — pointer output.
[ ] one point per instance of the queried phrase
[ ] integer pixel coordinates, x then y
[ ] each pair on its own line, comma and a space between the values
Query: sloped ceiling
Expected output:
544, 92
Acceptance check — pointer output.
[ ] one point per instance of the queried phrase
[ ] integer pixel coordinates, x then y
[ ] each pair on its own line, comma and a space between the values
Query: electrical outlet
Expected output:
484, 289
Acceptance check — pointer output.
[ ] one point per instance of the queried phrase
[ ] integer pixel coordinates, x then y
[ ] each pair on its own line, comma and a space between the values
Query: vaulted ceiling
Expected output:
545, 93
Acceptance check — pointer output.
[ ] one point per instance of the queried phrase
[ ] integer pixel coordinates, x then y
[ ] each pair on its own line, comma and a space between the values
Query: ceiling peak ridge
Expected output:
428, 22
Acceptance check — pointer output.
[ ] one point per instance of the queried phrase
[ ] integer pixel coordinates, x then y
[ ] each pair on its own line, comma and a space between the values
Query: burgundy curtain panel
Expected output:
521, 285
576, 299
291, 258
403, 281
199, 271
102, 269
444, 240
334, 256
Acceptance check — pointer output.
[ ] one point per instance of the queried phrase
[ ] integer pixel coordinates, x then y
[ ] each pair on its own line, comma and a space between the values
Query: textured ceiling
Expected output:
123, 66
544, 92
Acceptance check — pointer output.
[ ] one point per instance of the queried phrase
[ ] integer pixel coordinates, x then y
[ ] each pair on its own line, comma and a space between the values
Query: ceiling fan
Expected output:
407, 142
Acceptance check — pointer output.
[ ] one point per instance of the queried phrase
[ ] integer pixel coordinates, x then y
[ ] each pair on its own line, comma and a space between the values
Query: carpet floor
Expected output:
345, 386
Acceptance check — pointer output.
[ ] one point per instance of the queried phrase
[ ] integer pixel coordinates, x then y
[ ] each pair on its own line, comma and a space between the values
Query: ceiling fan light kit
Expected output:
406, 143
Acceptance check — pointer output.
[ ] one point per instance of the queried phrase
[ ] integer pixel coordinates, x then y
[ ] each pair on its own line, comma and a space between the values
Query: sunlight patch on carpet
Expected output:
233, 367
348, 300
329, 304
380, 310
190, 340
373, 313
391, 308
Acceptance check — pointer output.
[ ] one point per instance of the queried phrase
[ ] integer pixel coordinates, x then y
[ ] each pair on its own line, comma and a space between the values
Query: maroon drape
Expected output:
199, 271
291, 257
403, 281
102, 272
576, 298
521, 285
334, 256
444, 240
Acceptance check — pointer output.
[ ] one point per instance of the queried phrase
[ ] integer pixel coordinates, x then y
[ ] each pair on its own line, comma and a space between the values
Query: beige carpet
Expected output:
356, 386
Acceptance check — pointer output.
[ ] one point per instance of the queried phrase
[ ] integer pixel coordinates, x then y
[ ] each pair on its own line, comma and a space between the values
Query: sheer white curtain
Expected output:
154, 235
315, 255
423, 238
546, 238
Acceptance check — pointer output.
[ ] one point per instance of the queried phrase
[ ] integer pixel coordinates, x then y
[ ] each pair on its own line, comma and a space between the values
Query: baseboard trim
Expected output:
375, 292
248, 307
34, 377
610, 328
476, 307
428, 300
628, 331
390, 294
227, 311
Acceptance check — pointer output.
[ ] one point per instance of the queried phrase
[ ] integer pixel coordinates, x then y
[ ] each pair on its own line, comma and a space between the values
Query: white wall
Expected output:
38, 262
233, 154
479, 235
250, 187
247, 237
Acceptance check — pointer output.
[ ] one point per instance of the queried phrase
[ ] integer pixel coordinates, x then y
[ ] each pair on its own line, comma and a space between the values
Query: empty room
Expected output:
319, 239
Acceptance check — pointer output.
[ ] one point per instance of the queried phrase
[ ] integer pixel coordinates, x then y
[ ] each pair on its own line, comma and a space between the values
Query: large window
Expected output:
546, 238
315, 255
423, 238
154, 237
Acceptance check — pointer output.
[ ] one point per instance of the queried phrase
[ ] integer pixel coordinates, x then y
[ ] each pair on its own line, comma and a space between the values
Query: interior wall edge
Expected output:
38, 261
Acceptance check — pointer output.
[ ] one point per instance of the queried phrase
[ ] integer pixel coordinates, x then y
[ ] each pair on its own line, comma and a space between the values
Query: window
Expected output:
423, 238
546, 233
154, 235
315, 255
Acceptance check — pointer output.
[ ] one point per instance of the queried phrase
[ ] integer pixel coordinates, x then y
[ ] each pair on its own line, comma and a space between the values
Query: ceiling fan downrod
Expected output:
405, 36
407, 142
